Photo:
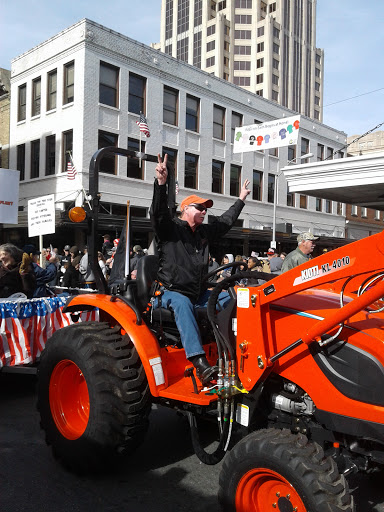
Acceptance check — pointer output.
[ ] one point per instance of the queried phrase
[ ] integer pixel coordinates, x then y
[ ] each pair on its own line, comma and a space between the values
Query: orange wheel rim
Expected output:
69, 399
264, 490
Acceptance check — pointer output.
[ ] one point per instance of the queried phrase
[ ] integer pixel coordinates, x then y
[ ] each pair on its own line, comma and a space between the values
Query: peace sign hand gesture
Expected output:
161, 169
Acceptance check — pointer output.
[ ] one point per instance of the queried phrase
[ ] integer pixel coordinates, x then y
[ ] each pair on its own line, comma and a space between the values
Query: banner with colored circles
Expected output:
269, 135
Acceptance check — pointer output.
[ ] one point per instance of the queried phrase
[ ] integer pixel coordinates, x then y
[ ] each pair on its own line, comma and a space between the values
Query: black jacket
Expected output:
183, 253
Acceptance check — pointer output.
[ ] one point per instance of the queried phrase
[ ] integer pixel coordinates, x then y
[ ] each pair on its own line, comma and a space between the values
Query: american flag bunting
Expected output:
71, 170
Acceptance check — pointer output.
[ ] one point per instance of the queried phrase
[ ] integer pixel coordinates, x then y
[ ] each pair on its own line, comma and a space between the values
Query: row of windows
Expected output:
51, 97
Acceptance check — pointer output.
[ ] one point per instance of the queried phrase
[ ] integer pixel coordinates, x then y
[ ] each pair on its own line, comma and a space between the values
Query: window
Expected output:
197, 50
182, 49
226, 62
108, 163
51, 90
222, 5
320, 152
217, 176
190, 172
69, 83
275, 79
290, 199
50, 155
316, 115
318, 204
109, 83
211, 30
182, 16
211, 46
168, 49
274, 152
192, 113
271, 188
291, 153
243, 81
260, 92
242, 50
172, 160
276, 32
22, 103
317, 86
317, 100
260, 47
226, 46
242, 65
329, 153
170, 105
234, 180
135, 168
137, 89
317, 73
303, 201
260, 63
168, 19
364, 212
236, 122
339, 208
259, 79
318, 58
276, 48
260, 31
275, 64
377, 214
210, 62
304, 149
328, 206
36, 97
20, 165
257, 185
243, 34
35, 158
243, 4
198, 14
243, 19
218, 122
67, 148
275, 96
354, 210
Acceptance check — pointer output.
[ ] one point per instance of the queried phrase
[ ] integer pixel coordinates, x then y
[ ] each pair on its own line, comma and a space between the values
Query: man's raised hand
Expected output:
244, 190
161, 169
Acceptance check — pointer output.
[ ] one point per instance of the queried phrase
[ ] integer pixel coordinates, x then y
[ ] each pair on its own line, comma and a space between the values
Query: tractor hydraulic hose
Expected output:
216, 456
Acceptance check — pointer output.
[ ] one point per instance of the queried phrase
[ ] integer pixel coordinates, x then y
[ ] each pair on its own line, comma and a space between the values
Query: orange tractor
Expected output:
298, 401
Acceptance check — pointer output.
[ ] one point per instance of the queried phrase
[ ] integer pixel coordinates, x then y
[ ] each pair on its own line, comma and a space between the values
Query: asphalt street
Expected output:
162, 476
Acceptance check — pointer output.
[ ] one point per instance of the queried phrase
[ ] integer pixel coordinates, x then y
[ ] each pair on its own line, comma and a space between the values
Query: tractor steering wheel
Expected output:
223, 267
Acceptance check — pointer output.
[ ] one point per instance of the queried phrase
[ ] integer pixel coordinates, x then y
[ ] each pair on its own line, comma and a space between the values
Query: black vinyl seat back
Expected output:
147, 268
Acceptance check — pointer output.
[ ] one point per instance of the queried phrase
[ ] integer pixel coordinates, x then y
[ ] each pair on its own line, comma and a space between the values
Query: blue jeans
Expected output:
184, 312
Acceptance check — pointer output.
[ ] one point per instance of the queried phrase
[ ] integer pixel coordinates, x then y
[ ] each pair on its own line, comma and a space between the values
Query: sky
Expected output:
349, 31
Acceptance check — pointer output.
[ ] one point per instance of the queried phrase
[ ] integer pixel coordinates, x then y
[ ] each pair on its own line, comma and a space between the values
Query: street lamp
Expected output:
302, 157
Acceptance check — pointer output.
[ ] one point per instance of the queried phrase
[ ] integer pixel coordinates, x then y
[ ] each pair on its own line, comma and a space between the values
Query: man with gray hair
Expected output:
302, 253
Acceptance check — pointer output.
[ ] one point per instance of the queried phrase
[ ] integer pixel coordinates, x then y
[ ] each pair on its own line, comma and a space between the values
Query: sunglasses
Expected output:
199, 207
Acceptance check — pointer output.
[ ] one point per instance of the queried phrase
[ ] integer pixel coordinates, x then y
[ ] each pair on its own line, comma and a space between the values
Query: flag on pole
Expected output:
143, 125
71, 170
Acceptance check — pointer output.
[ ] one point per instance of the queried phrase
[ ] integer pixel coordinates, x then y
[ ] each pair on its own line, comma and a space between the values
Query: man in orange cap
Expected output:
183, 247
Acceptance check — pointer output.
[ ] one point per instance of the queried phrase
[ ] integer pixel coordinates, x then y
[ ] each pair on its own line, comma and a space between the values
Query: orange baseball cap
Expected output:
208, 203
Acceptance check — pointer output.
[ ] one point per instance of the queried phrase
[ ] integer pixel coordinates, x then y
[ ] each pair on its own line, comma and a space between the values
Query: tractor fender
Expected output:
144, 340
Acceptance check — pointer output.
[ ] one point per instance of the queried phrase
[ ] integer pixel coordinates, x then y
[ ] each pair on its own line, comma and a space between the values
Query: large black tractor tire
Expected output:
277, 470
93, 396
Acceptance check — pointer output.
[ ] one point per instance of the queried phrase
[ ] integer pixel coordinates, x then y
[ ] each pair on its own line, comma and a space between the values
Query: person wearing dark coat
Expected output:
16, 275
71, 277
137, 254
42, 275
183, 248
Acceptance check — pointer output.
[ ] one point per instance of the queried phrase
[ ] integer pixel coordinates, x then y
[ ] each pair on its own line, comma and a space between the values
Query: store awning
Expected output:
357, 180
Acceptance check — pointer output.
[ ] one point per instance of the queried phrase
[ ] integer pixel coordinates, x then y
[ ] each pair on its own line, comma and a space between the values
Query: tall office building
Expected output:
268, 47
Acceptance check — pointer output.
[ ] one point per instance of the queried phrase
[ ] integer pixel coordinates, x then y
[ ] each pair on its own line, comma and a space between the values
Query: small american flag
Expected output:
71, 171
143, 125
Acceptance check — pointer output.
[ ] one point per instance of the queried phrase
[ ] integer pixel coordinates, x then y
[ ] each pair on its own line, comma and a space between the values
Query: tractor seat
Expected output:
146, 274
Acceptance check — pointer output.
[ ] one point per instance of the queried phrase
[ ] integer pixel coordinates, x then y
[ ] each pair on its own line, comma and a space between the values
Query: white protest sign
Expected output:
272, 134
9, 196
41, 215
